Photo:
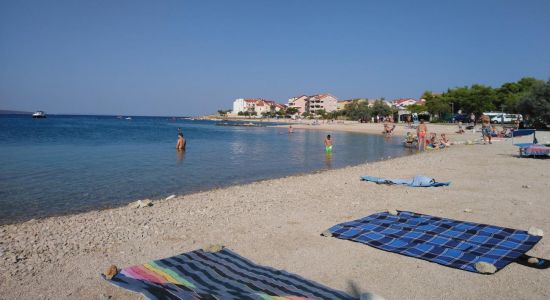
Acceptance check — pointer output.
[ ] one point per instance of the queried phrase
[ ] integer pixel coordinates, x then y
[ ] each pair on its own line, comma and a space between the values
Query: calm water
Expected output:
66, 164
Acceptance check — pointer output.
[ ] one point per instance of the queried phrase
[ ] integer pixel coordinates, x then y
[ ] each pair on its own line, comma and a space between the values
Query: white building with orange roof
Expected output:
299, 102
255, 105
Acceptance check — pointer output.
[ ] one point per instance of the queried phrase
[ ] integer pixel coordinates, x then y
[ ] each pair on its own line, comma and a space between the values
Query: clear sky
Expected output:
181, 57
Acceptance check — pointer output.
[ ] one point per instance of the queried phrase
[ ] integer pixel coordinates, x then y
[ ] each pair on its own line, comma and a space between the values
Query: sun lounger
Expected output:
417, 181
217, 275
458, 244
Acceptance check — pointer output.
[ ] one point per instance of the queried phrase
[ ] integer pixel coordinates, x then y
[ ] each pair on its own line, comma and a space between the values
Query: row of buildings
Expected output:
311, 104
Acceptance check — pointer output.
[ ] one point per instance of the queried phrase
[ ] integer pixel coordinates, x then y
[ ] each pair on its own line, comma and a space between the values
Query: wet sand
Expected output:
278, 223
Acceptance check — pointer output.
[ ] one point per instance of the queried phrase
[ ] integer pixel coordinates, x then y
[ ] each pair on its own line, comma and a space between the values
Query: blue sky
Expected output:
193, 57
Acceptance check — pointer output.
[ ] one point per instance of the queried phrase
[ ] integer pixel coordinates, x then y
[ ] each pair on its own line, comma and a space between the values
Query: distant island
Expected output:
14, 112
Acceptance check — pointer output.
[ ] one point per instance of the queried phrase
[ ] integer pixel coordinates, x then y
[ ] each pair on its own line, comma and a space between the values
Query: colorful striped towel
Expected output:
448, 242
218, 275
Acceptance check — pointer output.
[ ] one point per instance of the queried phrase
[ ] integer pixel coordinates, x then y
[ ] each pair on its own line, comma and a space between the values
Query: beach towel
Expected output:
416, 181
218, 275
536, 150
452, 243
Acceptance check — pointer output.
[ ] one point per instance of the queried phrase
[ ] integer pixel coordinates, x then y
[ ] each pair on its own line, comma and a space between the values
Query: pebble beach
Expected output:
278, 223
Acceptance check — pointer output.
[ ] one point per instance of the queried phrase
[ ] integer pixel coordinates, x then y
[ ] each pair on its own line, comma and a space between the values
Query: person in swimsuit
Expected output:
421, 133
444, 140
290, 129
180, 145
486, 128
328, 144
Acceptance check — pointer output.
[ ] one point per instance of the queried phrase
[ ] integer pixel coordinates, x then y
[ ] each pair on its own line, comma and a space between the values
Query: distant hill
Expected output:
14, 112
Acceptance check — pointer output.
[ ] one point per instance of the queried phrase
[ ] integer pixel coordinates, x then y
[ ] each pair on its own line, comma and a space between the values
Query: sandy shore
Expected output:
278, 223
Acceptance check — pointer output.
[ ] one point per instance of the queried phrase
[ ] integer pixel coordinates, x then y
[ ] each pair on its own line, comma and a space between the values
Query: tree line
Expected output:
527, 96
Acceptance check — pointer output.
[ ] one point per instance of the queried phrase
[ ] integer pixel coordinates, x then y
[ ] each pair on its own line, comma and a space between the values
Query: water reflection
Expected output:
328, 160
180, 157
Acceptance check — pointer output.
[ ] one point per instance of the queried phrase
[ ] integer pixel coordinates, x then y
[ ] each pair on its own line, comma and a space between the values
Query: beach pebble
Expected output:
110, 272
142, 203
326, 233
468, 210
393, 212
485, 268
533, 260
170, 197
525, 186
104, 297
535, 231
370, 296
213, 248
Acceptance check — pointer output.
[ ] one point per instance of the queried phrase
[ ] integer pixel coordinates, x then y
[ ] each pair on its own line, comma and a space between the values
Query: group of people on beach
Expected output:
424, 142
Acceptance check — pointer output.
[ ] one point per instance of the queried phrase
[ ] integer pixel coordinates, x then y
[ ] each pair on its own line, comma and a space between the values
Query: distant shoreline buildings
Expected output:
313, 105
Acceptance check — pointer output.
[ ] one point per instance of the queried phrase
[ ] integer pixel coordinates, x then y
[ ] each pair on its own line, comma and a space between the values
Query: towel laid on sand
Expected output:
452, 243
218, 275
417, 181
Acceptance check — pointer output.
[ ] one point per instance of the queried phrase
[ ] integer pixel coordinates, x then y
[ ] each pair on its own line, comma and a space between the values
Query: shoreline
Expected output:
277, 222
179, 195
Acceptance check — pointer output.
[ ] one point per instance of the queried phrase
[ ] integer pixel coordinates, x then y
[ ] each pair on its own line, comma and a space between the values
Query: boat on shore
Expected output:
39, 115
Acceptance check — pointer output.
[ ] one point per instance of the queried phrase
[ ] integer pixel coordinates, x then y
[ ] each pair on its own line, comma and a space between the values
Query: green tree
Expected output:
240, 113
381, 108
536, 103
292, 110
357, 109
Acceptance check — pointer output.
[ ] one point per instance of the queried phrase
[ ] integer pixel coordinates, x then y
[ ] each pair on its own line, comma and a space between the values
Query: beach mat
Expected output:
217, 275
452, 243
416, 181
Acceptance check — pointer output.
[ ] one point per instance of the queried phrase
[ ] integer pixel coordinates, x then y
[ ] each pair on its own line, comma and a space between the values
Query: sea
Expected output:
67, 163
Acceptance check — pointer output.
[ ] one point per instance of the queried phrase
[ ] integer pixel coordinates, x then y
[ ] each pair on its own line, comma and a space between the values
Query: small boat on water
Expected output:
39, 115
128, 118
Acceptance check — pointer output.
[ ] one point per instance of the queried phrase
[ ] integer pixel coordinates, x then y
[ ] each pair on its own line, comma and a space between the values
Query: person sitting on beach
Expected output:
328, 144
460, 128
434, 142
180, 145
388, 131
444, 141
409, 139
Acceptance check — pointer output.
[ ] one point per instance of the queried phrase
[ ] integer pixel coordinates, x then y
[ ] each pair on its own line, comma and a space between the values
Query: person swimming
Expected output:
328, 144
180, 145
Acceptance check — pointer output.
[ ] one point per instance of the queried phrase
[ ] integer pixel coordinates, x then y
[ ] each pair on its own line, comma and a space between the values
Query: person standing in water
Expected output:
180, 145
421, 134
328, 144
290, 129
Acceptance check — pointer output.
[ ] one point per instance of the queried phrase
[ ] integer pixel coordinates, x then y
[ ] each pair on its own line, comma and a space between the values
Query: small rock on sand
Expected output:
535, 231
371, 296
485, 268
533, 260
468, 210
393, 212
142, 203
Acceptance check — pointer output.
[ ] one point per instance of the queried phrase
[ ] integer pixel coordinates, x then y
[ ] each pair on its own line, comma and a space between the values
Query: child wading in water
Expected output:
328, 144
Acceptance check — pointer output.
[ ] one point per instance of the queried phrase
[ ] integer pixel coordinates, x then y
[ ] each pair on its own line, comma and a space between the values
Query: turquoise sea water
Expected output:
66, 164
